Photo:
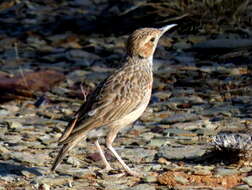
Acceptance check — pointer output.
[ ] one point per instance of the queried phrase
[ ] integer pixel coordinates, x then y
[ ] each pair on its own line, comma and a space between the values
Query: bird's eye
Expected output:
152, 39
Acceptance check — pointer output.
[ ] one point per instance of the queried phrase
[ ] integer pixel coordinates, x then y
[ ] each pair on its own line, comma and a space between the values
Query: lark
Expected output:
119, 100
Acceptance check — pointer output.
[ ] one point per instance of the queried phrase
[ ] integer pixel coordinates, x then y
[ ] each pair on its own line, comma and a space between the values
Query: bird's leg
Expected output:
109, 140
104, 160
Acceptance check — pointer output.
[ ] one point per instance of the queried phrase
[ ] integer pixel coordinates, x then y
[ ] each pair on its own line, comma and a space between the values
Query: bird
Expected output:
119, 100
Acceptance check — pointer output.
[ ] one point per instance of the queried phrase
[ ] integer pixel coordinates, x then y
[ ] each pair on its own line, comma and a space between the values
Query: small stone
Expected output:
76, 172
150, 179
181, 152
44, 187
203, 170
74, 161
180, 117
115, 187
157, 142
164, 95
14, 125
11, 108
3, 150
156, 167
47, 139
241, 187
170, 132
164, 161
248, 180
245, 169
28, 174
67, 111
142, 187
25, 157
59, 180
226, 172
4, 112
181, 179
138, 154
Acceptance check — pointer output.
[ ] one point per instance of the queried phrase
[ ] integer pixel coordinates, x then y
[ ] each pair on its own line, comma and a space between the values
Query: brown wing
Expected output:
117, 96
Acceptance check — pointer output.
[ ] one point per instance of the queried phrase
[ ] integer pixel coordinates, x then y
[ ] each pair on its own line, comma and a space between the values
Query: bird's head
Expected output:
143, 42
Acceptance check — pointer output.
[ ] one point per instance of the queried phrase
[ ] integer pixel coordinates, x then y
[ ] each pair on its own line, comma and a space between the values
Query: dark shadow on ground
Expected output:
12, 169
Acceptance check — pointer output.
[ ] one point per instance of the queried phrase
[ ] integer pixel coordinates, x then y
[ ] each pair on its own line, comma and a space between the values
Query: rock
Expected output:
150, 179
73, 161
241, 187
25, 157
52, 181
3, 150
202, 124
14, 125
46, 139
83, 57
225, 171
115, 187
157, 142
137, 155
248, 180
142, 187
181, 180
44, 187
81, 173
4, 112
203, 170
27, 173
177, 132
12, 139
114, 182
161, 96
181, 152
11, 108
180, 117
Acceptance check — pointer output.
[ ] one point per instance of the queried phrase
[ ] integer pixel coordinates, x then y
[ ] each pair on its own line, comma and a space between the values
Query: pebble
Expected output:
14, 125
3, 150
76, 172
161, 96
137, 155
180, 117
225, 171
25, 157
150, 179
73, 161
44, 187
248, 180
241, 187
46, 139
181, 180
142, 187
181, 152
52, 181
157, 142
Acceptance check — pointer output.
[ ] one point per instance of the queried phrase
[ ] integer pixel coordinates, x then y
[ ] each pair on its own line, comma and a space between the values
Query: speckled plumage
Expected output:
120, 99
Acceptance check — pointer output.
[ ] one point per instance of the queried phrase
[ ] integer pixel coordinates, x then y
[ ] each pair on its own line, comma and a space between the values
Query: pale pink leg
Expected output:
107, 165
109, 140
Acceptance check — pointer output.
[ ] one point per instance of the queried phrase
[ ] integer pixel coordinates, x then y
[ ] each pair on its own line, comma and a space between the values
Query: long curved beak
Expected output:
166, 28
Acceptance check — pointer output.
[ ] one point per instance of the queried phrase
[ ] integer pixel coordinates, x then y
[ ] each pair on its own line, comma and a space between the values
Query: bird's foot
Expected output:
108, 168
